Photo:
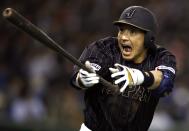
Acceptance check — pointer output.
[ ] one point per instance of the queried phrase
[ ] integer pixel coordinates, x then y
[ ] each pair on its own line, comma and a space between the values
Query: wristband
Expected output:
148, 79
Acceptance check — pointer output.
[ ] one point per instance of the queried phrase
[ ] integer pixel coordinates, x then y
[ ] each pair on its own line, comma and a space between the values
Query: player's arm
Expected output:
166, 64
131, 77
158, 76
158, 80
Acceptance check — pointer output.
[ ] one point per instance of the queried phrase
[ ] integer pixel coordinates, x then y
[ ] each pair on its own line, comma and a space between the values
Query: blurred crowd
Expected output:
35, 81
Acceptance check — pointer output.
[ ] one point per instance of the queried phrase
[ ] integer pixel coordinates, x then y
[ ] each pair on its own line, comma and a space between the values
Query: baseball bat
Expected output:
25, 25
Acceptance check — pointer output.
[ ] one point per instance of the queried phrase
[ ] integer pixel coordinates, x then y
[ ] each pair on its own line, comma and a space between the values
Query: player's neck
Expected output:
141, 57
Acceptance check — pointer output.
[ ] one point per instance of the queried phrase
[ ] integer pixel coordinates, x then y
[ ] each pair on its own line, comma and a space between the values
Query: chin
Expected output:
128, 58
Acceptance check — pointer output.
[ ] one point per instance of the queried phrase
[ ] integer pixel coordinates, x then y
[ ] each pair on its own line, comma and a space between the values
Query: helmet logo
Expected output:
130, 13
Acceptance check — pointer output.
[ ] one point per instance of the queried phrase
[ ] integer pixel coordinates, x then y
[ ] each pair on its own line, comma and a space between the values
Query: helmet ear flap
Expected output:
149, 40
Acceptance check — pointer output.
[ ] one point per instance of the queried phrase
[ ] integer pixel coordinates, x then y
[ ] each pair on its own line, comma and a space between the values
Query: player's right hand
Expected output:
86, 79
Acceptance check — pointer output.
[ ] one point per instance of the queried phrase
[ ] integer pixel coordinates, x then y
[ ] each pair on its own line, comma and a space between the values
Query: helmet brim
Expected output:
121, 22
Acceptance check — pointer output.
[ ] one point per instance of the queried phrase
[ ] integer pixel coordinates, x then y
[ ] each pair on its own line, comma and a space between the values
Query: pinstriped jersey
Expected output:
133, 109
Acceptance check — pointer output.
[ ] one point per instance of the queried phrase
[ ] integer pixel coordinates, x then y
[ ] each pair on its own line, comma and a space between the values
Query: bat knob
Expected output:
7, 12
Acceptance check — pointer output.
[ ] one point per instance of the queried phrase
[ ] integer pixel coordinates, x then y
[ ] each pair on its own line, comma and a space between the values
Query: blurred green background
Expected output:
35, 91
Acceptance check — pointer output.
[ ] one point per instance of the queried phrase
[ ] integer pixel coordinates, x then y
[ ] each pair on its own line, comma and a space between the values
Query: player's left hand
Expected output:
86, 78
127, 75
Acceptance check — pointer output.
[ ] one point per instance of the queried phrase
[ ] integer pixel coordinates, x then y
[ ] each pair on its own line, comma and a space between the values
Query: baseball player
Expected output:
143, 72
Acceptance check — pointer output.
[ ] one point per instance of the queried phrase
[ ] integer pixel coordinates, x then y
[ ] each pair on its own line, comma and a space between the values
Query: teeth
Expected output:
126, 46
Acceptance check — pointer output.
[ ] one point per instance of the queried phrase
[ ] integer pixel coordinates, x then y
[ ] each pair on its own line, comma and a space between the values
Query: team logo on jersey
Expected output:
137, 93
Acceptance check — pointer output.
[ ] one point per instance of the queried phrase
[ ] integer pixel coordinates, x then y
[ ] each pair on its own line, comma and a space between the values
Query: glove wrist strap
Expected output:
139, 77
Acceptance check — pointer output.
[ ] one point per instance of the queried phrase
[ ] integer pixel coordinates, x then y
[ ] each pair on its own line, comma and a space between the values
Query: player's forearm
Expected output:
158, 75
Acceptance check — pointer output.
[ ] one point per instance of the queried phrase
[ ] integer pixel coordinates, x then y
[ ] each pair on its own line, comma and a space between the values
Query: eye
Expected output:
121, 28
133, 30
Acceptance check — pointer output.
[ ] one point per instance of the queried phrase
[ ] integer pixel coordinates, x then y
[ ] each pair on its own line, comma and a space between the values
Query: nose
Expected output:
124, 36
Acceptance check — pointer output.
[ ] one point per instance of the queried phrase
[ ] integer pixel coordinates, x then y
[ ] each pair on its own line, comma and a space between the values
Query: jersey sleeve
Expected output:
167, 64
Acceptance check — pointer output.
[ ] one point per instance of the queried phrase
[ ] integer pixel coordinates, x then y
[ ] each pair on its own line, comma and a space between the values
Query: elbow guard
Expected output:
166, 84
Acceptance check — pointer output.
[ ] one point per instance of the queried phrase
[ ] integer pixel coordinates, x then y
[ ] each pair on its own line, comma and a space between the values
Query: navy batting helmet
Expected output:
141, 18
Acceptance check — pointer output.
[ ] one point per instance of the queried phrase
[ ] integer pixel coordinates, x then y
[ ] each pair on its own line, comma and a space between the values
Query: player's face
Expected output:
131, 43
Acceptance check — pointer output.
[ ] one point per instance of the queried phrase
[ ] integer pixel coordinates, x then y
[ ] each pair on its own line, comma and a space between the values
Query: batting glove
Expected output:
127, 75
87, 79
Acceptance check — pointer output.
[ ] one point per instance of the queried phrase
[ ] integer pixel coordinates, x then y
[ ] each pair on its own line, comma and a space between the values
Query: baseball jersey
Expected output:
133, 109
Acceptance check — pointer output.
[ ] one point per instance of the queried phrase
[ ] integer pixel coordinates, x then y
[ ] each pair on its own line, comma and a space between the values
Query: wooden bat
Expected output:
25, 25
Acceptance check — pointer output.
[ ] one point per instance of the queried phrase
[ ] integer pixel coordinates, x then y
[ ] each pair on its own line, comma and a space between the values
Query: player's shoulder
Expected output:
108, 40
162, 50
104, 43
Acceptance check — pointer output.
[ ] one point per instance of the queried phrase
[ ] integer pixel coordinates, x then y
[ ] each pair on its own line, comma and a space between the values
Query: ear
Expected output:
149, 40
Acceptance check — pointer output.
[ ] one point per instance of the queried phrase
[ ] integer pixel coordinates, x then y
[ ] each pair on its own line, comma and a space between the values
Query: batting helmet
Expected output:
141, 18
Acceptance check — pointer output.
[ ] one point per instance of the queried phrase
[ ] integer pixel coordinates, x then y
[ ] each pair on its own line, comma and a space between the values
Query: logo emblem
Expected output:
95, 66
130, 13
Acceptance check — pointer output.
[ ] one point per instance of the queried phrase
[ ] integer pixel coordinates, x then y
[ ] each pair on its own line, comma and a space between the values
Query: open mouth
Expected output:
127, 48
